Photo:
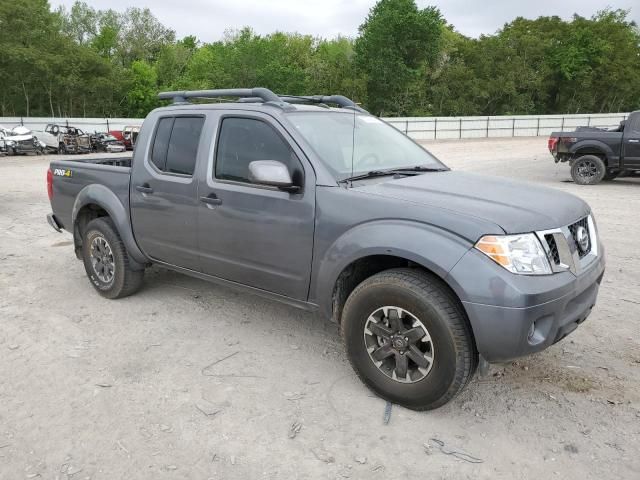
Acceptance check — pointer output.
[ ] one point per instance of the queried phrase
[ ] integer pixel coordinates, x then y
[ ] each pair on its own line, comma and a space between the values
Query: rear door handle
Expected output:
212, 199
634, 140
144, 188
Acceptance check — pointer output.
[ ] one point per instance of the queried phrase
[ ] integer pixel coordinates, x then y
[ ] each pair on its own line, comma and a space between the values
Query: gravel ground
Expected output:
190, 380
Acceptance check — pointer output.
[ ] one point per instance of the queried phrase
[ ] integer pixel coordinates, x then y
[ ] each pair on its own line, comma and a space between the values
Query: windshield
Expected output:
373, 145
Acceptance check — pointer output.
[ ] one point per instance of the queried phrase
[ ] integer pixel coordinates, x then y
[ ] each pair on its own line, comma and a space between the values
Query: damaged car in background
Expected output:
20, 140
105, 142
128, 135
65, 139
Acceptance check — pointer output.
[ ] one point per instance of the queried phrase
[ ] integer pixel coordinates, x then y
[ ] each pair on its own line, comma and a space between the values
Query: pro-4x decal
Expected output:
62, 172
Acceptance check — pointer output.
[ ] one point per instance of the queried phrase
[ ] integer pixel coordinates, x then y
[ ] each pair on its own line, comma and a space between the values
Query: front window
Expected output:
245, 140
351, 144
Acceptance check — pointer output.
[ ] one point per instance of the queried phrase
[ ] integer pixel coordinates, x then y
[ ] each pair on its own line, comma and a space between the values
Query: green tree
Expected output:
398, 44
142, 89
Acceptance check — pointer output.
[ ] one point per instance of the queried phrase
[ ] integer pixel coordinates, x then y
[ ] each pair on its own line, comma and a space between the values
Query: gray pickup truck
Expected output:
597, 154
428, 271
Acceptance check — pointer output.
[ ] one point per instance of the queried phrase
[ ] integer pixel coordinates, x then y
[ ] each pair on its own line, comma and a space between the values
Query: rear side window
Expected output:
244, 140
635, 124
175, 146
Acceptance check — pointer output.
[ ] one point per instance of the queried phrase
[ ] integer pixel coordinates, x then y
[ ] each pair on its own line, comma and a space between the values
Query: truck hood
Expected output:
516, 207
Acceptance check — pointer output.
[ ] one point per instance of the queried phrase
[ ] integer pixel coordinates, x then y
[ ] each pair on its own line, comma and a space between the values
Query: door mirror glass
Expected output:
270, 172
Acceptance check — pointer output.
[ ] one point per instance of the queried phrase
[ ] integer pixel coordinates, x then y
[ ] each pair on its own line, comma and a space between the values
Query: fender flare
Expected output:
433, 248
596, 144
106, 199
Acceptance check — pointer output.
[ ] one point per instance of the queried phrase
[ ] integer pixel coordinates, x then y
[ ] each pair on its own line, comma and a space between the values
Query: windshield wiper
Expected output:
371, 174
417, 169
393, 171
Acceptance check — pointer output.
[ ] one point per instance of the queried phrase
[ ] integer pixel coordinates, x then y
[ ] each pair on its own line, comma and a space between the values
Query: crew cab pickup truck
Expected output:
598, 154
429, 272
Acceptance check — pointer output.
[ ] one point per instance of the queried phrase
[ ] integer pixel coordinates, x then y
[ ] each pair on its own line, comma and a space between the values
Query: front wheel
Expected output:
408, 339
106, 261
588, 170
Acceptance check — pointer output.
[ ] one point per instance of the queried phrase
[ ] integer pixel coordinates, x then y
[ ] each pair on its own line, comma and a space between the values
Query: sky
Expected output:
208, 19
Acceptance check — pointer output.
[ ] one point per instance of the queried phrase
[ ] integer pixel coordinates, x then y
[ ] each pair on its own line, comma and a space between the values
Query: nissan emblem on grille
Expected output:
582, 239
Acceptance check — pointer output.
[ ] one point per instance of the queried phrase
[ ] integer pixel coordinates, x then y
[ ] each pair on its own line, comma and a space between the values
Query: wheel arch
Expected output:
371, 248
594, 147
95, 201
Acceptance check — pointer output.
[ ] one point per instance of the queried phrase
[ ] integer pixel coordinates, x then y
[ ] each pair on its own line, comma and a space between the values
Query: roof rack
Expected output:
260, 95
264, 94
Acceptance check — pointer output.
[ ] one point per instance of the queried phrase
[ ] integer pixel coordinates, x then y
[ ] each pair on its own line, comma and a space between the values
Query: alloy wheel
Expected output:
102, 259
587, 169
399, 344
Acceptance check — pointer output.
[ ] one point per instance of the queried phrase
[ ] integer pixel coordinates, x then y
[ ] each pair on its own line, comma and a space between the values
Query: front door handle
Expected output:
145, 188
212, 199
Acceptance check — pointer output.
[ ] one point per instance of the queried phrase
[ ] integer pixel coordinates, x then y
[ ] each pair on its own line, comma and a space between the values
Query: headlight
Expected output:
521, 254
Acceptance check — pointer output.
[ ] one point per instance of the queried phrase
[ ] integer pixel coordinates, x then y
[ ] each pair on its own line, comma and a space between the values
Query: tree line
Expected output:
405, 61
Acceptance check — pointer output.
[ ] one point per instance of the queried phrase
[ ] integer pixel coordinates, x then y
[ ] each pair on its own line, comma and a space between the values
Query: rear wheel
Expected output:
588, 170
106, 261
408, 339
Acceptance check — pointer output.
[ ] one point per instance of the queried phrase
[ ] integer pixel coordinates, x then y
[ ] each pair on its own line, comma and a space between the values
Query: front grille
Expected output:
553, 248
584, 223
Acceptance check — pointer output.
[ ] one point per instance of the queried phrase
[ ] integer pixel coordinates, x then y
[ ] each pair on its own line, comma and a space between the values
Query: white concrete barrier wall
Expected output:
429, 128
419, 128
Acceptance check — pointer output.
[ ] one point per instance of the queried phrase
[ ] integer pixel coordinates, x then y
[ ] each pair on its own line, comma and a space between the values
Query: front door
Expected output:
631, 142
164, 192
256, 235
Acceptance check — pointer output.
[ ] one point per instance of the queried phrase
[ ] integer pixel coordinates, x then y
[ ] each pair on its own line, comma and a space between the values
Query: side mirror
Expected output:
271, 173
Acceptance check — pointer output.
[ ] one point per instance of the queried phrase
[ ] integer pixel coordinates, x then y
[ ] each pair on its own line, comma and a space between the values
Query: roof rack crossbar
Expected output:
264, 94
339, 100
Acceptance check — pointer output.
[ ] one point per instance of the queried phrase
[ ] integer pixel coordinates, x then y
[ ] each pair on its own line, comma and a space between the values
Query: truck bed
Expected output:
71, 176
606, 139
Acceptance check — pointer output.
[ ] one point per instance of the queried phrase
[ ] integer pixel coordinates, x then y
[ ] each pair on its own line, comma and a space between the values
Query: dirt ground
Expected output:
190, 380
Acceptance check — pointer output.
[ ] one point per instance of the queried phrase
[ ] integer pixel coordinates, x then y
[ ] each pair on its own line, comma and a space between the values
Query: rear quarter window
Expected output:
175, 145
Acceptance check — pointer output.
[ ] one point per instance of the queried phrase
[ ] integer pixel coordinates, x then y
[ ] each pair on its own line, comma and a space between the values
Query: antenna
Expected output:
353, 141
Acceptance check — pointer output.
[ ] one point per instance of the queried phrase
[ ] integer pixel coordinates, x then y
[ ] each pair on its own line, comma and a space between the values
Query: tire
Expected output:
588, 170
106, 260
448, 340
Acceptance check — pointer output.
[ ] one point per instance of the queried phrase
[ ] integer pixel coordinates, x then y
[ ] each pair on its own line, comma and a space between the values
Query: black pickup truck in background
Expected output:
597, 154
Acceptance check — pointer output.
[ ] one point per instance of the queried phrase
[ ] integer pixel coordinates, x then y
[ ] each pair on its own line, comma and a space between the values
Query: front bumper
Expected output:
516, 315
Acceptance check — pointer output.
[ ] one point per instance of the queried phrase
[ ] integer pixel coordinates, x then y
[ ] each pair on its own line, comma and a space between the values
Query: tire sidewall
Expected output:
436, 384
99, 228
597, 161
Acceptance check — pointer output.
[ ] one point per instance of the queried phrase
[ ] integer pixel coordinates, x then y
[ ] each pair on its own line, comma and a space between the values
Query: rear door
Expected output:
164, 193
631, 142
256, 235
